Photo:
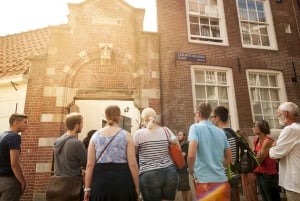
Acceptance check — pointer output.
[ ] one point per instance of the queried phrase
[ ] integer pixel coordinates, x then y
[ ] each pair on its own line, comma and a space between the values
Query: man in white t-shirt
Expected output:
287, 149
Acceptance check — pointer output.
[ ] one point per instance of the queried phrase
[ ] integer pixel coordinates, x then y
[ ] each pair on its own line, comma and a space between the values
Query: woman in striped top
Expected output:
158, 175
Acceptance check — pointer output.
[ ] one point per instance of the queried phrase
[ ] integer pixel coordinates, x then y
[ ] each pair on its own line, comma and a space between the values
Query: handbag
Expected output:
64, 188
175, 153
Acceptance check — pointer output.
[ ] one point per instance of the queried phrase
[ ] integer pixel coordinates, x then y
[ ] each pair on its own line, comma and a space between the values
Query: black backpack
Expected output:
245, 159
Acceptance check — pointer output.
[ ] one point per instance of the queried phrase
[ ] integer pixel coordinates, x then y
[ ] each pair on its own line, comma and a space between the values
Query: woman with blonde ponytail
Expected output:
112, 171
158, 175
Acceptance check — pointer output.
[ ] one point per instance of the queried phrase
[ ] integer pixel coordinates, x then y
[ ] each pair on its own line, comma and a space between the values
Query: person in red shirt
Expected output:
266, 172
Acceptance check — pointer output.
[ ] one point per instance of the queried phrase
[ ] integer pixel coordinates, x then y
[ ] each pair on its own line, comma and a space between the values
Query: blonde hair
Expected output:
112, 114
149, 117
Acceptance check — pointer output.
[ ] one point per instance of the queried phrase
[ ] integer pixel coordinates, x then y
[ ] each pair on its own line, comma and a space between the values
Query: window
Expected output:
214, 85
256, 24
206, 22
266, 92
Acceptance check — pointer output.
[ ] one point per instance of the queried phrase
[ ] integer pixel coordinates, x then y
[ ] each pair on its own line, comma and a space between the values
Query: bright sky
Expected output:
24, 15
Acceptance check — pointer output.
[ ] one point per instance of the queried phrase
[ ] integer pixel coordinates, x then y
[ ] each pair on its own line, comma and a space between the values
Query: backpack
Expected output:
245, 160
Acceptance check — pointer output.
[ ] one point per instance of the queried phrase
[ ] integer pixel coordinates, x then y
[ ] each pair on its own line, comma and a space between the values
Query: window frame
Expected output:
222, 26
281, 88
270, 27
230, 88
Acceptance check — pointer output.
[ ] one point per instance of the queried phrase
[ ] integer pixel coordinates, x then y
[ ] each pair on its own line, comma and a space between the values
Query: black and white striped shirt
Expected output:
153, 149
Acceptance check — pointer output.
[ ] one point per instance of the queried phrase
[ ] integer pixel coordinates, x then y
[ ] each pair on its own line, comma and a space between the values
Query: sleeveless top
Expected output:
268, 166
116, 152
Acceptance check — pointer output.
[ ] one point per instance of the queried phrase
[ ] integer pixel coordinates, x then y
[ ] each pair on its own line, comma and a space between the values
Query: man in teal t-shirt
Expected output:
209, 153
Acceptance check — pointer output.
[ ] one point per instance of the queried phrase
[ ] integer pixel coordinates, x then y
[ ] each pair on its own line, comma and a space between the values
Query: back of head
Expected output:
263, 126
72, 119
289, 107
222, 113
112, 114
16, 117
204, 109
149, 117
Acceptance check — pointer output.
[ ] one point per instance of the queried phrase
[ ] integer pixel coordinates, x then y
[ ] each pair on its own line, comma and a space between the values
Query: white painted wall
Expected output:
11, 101
93, 112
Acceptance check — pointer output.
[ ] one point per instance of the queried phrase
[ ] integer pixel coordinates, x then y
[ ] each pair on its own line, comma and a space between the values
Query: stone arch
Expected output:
84, 59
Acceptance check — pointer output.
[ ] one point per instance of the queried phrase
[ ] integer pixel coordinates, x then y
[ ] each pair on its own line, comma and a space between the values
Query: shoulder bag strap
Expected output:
108, 144
167, 133
52, 166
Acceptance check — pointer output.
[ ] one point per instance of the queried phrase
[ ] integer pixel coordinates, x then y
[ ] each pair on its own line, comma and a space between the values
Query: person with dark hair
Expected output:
209, 153
12, 181
266, 172
184, 183
69, 152
287, 150
111, 171
158, 175
219, 117
87, 138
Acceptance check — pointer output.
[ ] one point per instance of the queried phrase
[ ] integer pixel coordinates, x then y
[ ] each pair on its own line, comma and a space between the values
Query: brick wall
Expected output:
177, 103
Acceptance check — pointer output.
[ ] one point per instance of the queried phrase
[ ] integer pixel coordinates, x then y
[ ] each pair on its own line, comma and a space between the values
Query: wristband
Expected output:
87, 189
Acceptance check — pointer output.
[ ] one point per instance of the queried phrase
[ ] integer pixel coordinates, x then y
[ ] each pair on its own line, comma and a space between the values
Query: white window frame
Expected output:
230, 89
281, 89
269, 23
222, 25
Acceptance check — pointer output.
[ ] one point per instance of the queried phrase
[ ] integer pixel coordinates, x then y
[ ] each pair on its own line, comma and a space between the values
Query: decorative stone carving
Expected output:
105, 53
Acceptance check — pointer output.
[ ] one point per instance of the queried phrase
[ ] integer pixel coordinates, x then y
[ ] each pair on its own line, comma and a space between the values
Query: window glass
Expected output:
206, 21
256, 24
266, 95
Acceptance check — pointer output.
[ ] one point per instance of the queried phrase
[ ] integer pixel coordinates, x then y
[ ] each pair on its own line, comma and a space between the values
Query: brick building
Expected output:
101, 56
244, 54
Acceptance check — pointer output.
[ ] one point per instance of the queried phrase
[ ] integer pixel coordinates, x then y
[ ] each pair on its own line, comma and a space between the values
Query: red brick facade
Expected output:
177, 101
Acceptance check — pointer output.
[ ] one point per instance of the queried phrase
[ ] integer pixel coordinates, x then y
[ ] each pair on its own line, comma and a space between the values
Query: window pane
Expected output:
242, 4
211, 93
260, 6
215, 32
265, 40
261, 17
255, 94
243, 14
263, 80
256, 108
263, 29
252, 16
251, 5
273, 80
205, 31
213, 103
255, 39
274, 95
194, 29
199, 77
252, 79
222, 78
200, 92
264, 93
222, 92
245, 27
246, 38
204, 21
267, 108
210, 77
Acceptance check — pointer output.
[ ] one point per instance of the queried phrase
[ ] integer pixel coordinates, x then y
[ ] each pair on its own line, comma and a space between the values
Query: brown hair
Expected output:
16, 117
112, 114
72, 119
204, 109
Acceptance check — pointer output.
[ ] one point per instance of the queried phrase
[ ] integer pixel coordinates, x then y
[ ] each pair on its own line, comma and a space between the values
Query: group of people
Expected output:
119, 166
